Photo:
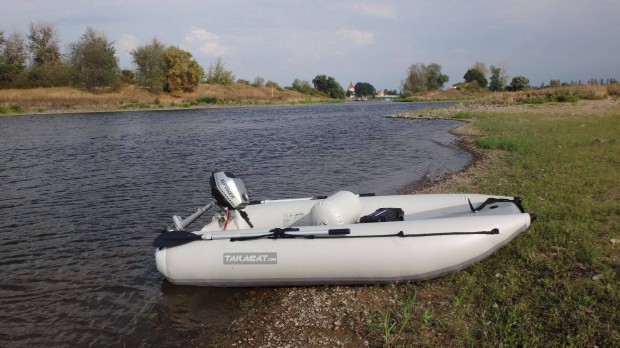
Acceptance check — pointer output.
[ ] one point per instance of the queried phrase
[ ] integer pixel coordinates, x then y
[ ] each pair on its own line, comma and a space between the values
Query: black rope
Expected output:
279, 233
403, 235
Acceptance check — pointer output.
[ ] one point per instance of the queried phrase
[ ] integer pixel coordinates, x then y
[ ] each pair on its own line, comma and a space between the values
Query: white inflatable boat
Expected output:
340, 239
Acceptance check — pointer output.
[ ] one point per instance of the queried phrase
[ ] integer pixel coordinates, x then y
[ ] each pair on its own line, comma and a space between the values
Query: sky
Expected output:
352, 41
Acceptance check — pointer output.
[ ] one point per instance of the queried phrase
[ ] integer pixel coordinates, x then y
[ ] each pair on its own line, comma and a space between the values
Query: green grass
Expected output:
11, 109
465, 115
558, 284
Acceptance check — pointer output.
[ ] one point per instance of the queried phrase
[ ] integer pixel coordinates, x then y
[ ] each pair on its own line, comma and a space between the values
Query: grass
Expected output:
11, 109
559, 283
65, 99
570, 94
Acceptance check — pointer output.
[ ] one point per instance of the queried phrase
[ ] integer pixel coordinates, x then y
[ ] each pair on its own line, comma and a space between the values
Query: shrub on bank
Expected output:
11, 109
562, 94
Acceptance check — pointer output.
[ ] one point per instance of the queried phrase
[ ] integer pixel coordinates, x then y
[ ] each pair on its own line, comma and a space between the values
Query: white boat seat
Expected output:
343, 207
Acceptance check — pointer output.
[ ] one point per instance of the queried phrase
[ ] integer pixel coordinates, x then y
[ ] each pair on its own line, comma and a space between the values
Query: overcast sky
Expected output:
353, 41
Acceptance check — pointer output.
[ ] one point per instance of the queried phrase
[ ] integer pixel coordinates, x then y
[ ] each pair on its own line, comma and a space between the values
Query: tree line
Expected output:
423, 78
35, 60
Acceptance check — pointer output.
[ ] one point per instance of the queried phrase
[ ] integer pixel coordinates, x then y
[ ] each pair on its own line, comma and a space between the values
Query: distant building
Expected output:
351, 89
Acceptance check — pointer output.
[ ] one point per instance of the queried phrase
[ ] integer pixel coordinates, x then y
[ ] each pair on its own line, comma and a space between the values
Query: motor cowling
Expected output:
229, 191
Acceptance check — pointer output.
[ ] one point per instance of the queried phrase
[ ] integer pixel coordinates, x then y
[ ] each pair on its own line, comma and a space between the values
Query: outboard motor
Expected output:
228, 191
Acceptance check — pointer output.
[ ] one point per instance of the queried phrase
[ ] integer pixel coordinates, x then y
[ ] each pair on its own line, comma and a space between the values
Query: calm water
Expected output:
81, 197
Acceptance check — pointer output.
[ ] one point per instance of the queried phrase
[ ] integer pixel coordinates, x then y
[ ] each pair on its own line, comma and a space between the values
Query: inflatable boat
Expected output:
343, 238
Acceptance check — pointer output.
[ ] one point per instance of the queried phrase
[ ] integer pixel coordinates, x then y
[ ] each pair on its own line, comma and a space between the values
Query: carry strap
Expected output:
516, 201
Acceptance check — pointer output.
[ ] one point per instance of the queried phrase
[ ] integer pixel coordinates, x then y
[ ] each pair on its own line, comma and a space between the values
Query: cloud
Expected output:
200, 34
356, 37
374, 10
205, 42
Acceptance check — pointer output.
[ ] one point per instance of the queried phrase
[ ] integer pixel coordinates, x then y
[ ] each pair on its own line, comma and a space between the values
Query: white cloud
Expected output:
200, 34
356, 37
205, 42
375, 10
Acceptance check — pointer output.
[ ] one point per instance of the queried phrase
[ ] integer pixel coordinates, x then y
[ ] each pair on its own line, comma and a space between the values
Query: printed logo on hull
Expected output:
250, 258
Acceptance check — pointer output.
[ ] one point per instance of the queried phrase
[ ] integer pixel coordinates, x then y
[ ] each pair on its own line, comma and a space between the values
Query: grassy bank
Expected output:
65, 99
559, 283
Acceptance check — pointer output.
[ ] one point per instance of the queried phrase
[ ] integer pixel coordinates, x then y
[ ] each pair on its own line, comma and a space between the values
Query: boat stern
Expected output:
160, 260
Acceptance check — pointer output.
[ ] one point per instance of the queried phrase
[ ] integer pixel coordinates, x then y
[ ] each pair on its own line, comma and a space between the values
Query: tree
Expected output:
182, 72
272, 84
12, 58
329, 86
149, 60
436, 79
93, 61
364, 89
519, 83
480, 66
475, 75
388, 92
47, 67
415, 81
43, 44
498, 79
258, 81
302, 86
218, 75
422, 78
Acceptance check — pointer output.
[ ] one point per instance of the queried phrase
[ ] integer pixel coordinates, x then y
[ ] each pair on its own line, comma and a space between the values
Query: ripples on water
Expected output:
82, 195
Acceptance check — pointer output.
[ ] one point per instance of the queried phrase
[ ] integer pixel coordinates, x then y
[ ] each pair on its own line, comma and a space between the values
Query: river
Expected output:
82, 196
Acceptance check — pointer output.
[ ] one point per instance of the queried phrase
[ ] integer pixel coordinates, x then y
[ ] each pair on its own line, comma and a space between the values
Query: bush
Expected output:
12, 109
207, 100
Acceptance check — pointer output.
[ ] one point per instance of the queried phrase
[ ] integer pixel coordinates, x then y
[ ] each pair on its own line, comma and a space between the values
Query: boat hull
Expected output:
440, 241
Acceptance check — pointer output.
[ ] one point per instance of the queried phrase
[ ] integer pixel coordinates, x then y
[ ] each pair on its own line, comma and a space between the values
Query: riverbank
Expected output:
557, 284
55, 100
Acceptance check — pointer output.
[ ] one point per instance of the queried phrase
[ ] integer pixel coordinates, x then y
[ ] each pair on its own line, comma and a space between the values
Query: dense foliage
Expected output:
35, 60
519, 83
149, 61
423, 78
217, 74
329, 86
183, 73
12, 57
498, 79
364, 89
302, 86
93, 62
476, 75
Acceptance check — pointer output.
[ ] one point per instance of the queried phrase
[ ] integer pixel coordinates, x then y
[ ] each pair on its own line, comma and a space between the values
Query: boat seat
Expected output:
343, 207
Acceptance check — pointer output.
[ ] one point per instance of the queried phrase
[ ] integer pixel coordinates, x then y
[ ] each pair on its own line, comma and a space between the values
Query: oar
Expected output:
176, 238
